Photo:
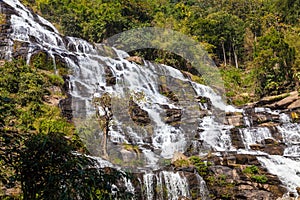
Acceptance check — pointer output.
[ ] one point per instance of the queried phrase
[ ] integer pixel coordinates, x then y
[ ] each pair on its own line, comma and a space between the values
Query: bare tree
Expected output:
104, 116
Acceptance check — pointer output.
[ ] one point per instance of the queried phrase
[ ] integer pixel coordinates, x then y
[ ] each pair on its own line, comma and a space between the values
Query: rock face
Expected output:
231, 179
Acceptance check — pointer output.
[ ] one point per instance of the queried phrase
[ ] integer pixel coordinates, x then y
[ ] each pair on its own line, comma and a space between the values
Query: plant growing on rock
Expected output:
254, 173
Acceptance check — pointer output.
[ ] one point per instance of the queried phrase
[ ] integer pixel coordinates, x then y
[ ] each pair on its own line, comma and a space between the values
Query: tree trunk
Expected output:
224, 54
235, 57
104, 142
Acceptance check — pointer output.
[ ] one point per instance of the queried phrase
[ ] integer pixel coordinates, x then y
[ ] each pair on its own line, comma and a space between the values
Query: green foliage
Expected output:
201, 166
55, 79
274, 60
181, 163
50, 170
239, 84
259, 178
251, 169
289, 10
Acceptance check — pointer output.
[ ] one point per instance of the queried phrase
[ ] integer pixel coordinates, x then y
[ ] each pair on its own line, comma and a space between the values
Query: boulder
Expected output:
235, 120
135, 59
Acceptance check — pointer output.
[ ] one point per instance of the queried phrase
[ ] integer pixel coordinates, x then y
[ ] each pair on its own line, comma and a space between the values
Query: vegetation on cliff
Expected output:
37, 159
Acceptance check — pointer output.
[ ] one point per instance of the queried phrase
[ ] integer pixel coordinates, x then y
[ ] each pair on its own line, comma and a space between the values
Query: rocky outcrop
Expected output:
283, 101
109, 77
164, 90
232, 179
138, 115
172, 115
135, 59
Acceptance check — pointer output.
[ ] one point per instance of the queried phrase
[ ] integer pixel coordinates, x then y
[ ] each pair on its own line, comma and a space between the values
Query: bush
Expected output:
259, 178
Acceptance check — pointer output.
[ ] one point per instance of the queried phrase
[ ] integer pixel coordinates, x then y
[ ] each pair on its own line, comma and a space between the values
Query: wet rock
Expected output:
138, 115
236, 138
256, 147
109, 77
205, 102
173, 116
164, 90
298, 190
244, 159
235, 120
270, 141
66, 108
274, 149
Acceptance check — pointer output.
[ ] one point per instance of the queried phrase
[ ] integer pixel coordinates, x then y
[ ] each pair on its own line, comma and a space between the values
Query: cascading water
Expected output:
171, 120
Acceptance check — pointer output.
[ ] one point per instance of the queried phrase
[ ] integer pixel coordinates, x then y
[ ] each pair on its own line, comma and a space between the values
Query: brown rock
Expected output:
206, 102
164, 90
270, 141
284, 103
135, 59
173, 116
178, 156
109, 77
236, 120
138, 115
294, 105
274, 149
298, 190
256, 146
244, 159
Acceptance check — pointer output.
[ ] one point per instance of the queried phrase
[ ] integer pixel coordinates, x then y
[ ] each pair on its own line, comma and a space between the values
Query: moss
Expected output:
197, 79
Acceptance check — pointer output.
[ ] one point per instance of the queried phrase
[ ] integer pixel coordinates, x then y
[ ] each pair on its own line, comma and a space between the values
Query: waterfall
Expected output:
176, 112
171, 185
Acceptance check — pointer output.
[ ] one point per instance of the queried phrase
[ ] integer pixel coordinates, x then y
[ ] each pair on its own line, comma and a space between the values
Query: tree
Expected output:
274, 62
104, 117
225, 32
49, 169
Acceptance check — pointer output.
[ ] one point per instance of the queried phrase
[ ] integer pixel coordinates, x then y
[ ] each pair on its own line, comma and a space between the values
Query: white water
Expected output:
89, 79
286, 169
175, 185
